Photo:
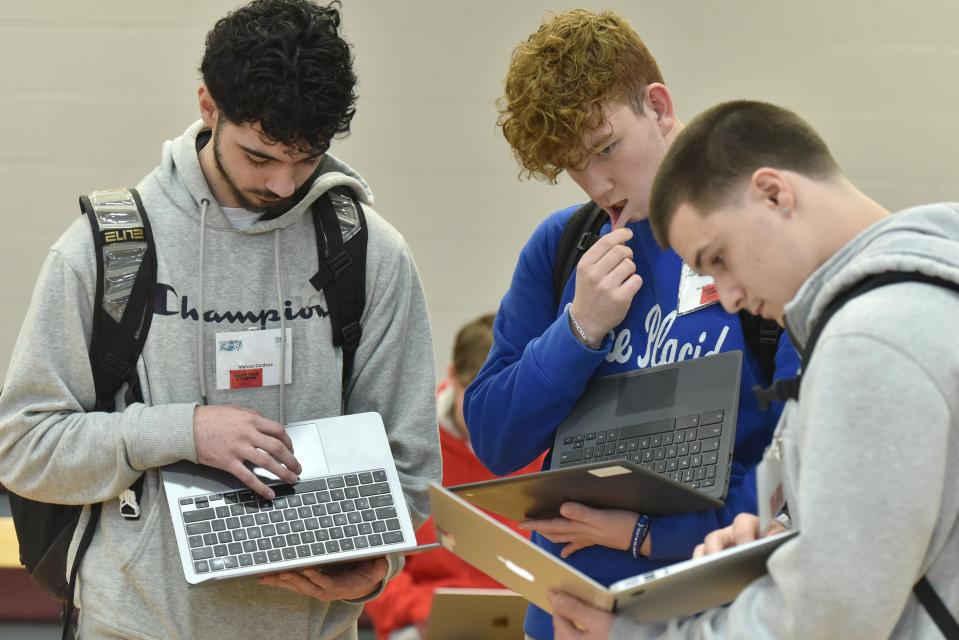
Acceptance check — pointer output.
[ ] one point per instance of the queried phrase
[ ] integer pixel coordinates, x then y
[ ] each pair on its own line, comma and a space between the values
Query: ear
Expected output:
208, 109
660, 106
772, 187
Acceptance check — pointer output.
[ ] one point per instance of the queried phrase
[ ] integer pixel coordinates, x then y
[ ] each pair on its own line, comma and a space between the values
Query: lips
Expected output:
615, 211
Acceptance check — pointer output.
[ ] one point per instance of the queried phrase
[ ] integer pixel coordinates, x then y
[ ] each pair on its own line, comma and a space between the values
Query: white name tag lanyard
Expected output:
695, 291
769, 481
249, 359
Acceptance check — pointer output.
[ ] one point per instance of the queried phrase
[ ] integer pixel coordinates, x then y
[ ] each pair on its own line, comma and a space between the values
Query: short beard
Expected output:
273, 210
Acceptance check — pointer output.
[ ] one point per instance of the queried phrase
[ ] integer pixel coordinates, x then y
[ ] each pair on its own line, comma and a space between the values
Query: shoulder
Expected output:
75, 249
539, 251
384, 241
911, 319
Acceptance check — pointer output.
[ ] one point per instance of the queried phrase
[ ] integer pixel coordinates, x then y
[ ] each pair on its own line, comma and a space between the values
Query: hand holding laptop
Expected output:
227, 437
581, 526
348, 581
578, 620
574, 618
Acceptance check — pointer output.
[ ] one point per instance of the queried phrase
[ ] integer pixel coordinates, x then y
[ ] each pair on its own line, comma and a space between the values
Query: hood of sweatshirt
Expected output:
924, 239
182, 181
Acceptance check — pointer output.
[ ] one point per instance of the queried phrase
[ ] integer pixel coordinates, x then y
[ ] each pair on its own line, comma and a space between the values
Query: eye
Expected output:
255, 162
608, 149
311, 161
718, 260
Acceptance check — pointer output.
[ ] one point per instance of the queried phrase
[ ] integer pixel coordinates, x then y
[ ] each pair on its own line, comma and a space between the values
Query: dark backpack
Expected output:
582, 231
788, 389
124, 246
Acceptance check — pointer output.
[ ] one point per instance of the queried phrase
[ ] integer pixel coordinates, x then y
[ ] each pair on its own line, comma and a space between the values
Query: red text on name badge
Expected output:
709, 294
245, 378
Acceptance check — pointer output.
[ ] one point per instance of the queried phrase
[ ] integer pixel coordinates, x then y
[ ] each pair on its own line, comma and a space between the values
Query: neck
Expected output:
221, 192
845, 212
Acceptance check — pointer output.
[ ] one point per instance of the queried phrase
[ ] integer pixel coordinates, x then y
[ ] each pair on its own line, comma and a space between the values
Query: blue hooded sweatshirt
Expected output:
537, 370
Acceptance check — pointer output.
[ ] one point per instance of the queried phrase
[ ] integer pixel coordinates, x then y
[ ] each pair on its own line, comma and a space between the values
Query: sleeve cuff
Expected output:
396, 563
675, 537
164, 435
559, 351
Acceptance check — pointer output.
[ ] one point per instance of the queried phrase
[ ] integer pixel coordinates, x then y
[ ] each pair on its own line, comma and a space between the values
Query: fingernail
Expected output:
270, 495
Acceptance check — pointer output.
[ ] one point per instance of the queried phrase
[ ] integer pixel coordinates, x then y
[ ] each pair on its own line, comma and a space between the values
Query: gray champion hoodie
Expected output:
869, 453
51, 449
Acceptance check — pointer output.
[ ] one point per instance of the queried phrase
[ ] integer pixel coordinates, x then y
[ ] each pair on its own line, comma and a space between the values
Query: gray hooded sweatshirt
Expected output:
51, 449
869, 452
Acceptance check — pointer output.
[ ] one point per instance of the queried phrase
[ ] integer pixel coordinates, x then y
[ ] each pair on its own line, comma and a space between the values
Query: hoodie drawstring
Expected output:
279, 296
199, 325
204, 203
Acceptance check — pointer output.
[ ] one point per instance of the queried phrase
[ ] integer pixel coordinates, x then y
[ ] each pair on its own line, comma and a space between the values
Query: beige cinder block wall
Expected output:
92, 87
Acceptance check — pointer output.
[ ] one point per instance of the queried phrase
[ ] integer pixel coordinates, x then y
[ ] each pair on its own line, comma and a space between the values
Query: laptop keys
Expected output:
325, 515
711, 417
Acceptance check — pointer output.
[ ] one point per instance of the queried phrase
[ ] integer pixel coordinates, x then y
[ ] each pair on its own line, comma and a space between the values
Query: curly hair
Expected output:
558, 82
282, 64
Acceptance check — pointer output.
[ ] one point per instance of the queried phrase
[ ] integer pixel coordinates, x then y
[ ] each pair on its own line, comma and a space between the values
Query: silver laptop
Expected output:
348, 505
681, 589
676, 420
476, 614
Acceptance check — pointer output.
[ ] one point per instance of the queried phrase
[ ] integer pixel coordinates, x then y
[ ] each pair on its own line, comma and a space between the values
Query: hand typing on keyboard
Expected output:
581, 526
339, 582
227, 437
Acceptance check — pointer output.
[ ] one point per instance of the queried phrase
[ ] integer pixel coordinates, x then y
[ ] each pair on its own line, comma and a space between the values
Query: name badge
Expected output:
247, 359
695, 291
769, 481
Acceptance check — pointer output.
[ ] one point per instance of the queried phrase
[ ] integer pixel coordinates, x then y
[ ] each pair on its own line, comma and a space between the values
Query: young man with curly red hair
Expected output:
584, 95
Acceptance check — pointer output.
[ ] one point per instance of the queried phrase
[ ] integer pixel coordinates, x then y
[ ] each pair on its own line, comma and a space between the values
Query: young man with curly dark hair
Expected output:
584, 95
230, 207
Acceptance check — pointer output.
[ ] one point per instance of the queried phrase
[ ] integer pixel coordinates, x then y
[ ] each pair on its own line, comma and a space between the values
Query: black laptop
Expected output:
676, 420
657, 441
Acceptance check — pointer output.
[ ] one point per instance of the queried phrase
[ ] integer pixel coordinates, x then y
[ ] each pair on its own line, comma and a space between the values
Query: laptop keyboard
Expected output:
684, 449
311, 518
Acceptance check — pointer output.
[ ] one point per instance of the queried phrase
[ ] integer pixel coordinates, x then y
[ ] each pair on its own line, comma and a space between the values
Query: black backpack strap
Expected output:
122, 314
936, 608
579, 234
125, 250
762, 339
341, 237
789, 389
123, 241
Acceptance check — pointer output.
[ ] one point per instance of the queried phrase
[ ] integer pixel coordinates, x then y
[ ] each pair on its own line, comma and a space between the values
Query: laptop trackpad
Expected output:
308, 449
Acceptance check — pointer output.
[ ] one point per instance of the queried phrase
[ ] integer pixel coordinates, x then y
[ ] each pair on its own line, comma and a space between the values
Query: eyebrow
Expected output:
601, 143
266, 156
697, 262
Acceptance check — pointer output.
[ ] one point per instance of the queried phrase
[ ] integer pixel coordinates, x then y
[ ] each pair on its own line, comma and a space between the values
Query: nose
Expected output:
595, 182
731, 295
281, 182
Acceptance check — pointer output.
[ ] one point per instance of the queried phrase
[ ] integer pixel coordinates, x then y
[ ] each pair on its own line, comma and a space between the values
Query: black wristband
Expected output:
639, 535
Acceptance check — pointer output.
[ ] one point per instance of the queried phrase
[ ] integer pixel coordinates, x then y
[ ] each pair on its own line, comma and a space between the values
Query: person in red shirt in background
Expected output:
401, 611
